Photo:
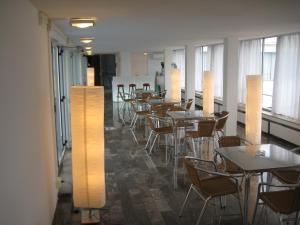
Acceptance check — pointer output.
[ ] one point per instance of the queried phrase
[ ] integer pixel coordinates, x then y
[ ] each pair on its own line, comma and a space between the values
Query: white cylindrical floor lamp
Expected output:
208, 92
87, 126
253, 108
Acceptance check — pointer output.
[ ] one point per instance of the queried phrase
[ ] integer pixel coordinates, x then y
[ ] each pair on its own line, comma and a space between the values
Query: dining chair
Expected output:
287, 176
226, 165
138, 114
158, 126
284, 201
209, 184
205, 131
221, 122
189, 104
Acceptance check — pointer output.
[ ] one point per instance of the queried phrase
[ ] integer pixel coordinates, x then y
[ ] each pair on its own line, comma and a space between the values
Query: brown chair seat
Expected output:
287, 176
164, 130
142, 113
218, 186
281, 201
229, 167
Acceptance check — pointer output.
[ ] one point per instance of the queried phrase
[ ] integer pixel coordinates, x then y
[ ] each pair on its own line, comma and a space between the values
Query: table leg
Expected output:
246, 198
175, 169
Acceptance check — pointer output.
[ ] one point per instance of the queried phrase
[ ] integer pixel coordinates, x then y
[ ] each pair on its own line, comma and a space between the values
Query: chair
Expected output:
138, 114
146, 86
189, 104
120, 90
287, 176
127, 99
226, 165
132, 88
211, 185
155, 124
221, 121
206, 129
282, 201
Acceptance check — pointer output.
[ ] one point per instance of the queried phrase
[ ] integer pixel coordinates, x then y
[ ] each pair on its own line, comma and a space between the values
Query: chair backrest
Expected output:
192, 172
296, 202
206, 128
229, 141
150, 123
189, 104
222, 120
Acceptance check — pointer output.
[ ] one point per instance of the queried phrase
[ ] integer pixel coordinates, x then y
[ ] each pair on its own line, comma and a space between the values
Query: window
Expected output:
210, 58
179, 61
269, 56
258, 57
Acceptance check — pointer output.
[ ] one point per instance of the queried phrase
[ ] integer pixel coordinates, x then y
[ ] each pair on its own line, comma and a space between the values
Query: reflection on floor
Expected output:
139, 187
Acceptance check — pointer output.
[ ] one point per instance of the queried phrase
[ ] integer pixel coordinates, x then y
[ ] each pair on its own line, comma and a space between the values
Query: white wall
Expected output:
27, 160
154, 63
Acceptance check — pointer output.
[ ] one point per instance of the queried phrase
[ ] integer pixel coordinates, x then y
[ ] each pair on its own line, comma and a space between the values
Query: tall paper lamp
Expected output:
175, 85
87, 121
253, 108
90, 76
208, 92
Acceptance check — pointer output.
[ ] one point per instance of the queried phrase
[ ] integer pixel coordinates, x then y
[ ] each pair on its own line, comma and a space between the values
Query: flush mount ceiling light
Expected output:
88, 52
86, 40
82, 23
88, 48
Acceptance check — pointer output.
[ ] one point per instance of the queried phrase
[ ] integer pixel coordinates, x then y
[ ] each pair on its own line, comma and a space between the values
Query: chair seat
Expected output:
218, 186
280, 201
287, 176
142, 113
194, 134
164, 130
229, 167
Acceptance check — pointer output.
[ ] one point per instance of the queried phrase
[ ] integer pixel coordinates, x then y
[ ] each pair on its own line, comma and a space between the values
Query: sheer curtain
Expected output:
286, 94
179, 60
217, 68
198, 69
250, 62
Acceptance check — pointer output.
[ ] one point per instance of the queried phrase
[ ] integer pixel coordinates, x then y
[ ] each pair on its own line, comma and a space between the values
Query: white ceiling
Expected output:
142, 25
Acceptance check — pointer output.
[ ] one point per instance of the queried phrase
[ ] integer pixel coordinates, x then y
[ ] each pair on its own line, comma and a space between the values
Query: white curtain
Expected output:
286, 94
250, 63
198, 69
217, 68
179, 60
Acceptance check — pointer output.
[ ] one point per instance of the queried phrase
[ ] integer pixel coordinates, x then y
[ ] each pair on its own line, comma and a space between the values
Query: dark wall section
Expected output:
105, 69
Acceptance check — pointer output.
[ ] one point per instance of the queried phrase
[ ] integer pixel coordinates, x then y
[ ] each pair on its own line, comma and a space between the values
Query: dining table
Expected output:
253, 159
179, 116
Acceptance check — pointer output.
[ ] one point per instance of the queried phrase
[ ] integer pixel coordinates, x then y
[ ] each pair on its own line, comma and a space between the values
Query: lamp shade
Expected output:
175, 85
208, 92
253, 108
90, 76
87, 121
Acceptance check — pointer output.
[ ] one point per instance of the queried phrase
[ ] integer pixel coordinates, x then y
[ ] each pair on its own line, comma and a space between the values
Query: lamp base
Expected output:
89, 216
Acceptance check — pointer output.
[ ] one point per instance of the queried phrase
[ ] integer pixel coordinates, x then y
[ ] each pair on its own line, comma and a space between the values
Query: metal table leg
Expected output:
246, 198
175, 169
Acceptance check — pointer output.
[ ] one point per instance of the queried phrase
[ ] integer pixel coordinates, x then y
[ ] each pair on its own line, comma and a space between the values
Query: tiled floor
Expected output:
139, 188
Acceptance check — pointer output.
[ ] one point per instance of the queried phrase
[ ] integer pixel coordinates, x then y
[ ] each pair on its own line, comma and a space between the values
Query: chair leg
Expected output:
185, 201
240, 206
194, 148
132, 121
134, 136
255, 210
154, 141
202, 211
149, 139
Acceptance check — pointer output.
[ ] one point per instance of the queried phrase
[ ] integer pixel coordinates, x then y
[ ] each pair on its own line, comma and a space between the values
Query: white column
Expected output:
190, 73
168, 62
231, 53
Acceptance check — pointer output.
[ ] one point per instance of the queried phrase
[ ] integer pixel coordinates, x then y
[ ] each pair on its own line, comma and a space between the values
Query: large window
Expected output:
269, 57
179, 61
258, 57
210, 58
